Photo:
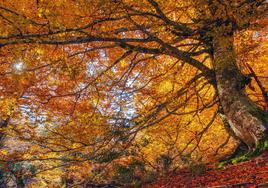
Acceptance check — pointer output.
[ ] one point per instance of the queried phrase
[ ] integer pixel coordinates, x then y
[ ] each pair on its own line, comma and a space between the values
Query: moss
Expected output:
262, 147
239, 159
221, 165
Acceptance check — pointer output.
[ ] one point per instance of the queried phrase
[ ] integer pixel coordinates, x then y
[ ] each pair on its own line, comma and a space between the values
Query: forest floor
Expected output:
248, 174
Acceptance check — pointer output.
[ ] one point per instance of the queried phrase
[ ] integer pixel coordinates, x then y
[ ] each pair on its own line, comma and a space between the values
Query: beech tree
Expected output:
58, 55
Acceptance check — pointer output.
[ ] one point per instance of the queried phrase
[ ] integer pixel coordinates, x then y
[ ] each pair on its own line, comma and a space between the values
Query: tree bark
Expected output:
3, 124
3, 180
246, 119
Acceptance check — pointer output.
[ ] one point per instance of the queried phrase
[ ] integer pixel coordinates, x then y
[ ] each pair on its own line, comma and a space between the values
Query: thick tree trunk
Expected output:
246, 119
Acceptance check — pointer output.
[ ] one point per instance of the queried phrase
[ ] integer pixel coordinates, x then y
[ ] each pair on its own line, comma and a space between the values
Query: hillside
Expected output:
253, 173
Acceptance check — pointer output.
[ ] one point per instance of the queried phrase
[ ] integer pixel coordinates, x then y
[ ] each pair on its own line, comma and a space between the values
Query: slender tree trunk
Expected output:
3, 124
3, 180
246, 119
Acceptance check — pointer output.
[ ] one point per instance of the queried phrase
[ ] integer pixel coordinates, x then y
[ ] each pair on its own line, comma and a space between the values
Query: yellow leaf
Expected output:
4, 152
40, 12
39, 51
165, 86
124, 63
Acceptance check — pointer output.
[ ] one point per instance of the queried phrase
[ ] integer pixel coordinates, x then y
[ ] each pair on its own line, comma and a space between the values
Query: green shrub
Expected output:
196, 168
133, 174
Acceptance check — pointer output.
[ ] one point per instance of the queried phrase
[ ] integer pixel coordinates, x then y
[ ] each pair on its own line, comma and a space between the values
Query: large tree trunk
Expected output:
246, 119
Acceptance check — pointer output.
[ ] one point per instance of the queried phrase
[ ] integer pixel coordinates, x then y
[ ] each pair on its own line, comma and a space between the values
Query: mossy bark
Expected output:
246, 119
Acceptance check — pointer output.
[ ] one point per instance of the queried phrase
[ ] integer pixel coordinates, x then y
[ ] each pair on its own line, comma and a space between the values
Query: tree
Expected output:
118, 54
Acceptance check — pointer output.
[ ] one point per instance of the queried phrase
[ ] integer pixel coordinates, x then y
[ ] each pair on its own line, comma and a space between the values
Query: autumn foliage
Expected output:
123, 92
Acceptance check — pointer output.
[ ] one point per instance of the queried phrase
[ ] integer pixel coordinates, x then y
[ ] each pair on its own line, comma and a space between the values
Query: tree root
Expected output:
242, 153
